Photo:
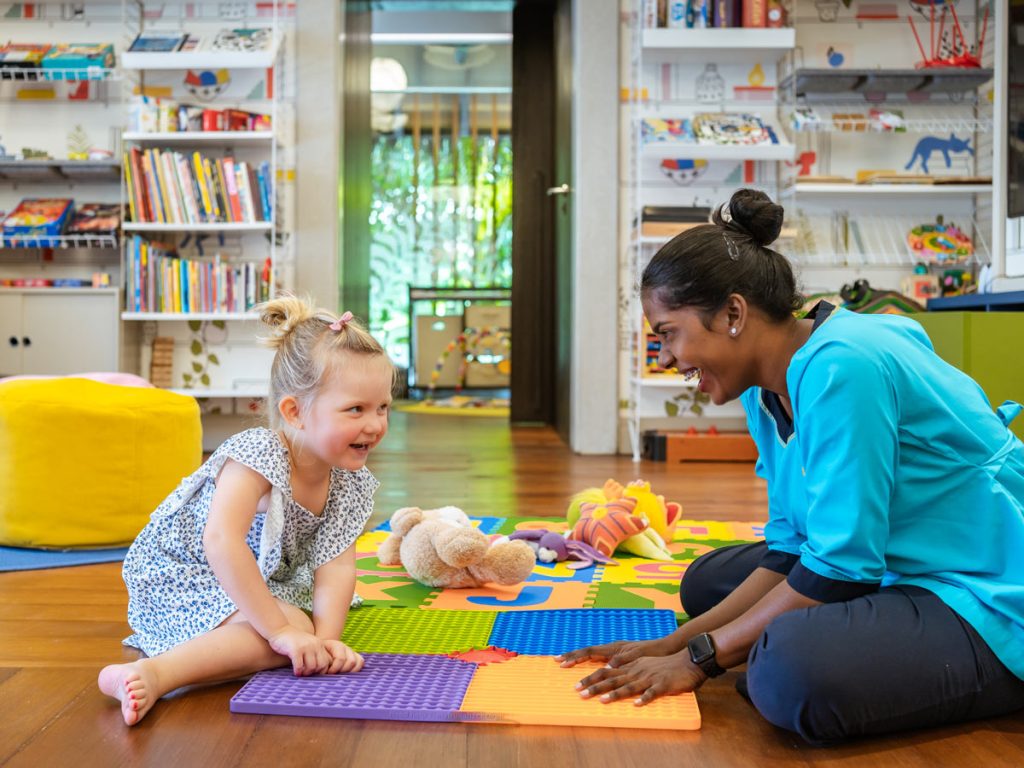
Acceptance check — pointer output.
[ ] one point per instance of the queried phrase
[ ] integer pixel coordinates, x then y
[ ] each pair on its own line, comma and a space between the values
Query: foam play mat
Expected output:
486, 655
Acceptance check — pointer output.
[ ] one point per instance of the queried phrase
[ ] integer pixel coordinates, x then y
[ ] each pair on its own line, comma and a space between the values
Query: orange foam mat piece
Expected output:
527, 596
535, 690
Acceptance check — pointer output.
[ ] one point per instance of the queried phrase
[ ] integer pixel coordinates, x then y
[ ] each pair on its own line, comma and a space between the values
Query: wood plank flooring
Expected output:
58, 627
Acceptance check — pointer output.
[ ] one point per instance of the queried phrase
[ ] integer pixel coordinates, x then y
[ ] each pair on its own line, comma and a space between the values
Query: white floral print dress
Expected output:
173, 594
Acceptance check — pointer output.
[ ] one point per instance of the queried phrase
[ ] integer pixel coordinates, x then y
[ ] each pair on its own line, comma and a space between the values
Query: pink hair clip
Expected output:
341, 322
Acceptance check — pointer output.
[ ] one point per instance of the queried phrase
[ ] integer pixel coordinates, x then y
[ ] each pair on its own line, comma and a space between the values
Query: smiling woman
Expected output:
880, 600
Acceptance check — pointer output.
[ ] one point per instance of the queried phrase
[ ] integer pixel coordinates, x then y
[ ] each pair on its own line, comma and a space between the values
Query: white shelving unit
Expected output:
58, 329
662, 63
864, 105
894, 190
216, 353
199, 138
202, 60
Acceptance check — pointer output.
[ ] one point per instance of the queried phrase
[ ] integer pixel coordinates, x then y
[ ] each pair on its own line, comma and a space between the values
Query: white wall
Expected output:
594, 397
319, 23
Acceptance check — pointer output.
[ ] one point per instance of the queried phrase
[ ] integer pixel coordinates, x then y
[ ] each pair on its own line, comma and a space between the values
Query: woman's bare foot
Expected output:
131, 684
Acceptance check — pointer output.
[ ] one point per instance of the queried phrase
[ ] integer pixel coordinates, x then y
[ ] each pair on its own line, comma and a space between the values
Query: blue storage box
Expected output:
78, 61
35, 222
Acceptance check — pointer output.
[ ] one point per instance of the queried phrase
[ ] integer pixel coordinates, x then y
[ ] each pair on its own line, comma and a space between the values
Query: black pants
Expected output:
889, 661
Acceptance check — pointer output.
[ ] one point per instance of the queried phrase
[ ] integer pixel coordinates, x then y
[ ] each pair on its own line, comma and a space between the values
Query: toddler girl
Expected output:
221, 579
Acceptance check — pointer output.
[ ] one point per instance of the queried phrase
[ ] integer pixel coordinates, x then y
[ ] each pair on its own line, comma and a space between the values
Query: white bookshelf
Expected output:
767, 152
202, 59
232, 226
221, 392
206, 138
694, 45
206, 316
895, 190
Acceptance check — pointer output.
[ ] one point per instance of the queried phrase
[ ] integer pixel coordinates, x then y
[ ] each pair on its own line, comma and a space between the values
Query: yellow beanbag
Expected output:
84, 464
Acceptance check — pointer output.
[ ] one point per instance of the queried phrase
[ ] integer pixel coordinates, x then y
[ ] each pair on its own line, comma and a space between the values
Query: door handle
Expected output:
561, 189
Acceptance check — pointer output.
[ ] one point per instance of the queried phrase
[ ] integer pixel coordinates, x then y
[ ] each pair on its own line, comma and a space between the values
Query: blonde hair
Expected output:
307, 349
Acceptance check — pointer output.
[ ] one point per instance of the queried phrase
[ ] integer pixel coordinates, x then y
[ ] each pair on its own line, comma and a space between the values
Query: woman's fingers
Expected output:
572, 658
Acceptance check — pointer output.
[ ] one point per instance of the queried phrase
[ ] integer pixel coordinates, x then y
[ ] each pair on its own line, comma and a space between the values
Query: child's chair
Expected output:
84, 463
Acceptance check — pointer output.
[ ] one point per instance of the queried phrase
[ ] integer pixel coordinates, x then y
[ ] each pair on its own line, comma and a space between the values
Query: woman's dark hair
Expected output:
701, 267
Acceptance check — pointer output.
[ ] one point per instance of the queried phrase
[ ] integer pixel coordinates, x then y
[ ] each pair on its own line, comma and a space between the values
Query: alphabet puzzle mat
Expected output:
486, 655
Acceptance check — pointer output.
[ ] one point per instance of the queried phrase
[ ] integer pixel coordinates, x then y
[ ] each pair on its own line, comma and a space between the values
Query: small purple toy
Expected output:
553, 547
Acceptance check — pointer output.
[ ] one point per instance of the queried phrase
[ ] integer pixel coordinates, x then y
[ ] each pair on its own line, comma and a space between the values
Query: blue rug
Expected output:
18, 559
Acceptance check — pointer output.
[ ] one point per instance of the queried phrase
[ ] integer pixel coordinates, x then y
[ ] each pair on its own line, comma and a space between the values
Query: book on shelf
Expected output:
170, 187
154, 42
243, 40
159, 280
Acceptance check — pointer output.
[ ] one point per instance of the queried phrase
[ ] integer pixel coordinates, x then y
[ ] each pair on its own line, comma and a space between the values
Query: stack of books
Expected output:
158, 280
176, 188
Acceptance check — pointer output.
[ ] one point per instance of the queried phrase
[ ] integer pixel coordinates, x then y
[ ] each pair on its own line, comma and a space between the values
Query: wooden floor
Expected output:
58, 627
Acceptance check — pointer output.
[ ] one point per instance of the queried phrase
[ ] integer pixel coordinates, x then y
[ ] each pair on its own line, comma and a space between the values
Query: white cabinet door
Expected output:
10, 334
66, 333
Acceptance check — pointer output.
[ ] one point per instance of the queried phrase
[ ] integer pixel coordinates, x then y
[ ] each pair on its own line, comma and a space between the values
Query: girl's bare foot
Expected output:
131, 684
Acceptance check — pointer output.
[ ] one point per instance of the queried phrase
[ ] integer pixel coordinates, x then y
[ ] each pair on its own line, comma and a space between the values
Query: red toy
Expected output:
962, 55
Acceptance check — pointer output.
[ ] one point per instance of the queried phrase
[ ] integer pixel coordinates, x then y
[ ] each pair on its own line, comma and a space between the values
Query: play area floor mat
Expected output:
486, 655
633, 583
18, 559
519, 690
460, 405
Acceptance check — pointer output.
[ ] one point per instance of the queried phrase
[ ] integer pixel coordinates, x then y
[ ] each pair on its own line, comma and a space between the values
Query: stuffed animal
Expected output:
442, 548
661, 517
552, 547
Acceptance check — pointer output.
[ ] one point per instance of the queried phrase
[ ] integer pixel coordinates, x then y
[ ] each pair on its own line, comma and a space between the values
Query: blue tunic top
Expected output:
894, 471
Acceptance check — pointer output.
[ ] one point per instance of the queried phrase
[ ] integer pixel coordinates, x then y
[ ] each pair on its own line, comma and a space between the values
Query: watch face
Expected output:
701, 648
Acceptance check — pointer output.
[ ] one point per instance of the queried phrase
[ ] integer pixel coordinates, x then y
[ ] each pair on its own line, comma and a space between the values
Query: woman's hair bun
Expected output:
754, 212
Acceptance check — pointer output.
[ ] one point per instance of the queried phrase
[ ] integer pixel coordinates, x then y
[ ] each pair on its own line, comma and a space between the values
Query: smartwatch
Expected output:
702, 653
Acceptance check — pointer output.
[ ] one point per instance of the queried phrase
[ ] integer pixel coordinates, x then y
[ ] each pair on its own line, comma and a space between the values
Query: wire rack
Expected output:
839, 240
59, 241
859, 117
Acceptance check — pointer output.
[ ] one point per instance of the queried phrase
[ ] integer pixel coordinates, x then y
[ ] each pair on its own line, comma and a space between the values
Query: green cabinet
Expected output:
987, 347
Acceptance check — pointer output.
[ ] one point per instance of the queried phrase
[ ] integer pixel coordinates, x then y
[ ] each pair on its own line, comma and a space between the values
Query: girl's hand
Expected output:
620, 652
646, 679
343, 658
306, 651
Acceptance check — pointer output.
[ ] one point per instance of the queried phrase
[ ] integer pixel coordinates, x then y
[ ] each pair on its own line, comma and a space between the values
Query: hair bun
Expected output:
755, 213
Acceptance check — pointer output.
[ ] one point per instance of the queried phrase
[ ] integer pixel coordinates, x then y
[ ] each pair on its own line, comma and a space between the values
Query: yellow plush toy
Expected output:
661, 516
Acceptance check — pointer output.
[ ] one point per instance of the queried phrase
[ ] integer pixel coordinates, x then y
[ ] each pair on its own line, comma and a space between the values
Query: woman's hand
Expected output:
620, 652
646, 678
343, 658
306, 651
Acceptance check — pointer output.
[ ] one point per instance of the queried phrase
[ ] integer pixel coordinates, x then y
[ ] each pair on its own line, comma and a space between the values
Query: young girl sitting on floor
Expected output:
220, 580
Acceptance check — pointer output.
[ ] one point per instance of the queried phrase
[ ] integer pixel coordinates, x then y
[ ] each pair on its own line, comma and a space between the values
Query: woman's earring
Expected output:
733, 331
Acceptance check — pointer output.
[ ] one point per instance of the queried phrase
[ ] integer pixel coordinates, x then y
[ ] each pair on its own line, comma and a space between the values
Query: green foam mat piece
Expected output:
509, 524
393, 592
407, 630
650, 595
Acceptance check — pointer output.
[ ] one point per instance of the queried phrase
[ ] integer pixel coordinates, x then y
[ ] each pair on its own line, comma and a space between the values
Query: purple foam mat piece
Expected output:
389, 687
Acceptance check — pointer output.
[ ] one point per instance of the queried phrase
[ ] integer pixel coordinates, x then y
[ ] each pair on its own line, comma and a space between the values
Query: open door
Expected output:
542, 74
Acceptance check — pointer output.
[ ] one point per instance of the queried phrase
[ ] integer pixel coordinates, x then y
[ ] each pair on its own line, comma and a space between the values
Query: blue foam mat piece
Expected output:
487, 524
549, 633
19, 559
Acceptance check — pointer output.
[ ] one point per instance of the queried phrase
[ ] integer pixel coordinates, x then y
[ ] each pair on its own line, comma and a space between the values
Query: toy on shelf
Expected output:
732, 129
940, 243
442, 548
961, 55
37, 220
637, 501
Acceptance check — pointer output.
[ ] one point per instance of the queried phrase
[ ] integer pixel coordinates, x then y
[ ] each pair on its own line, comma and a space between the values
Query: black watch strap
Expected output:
702, 653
